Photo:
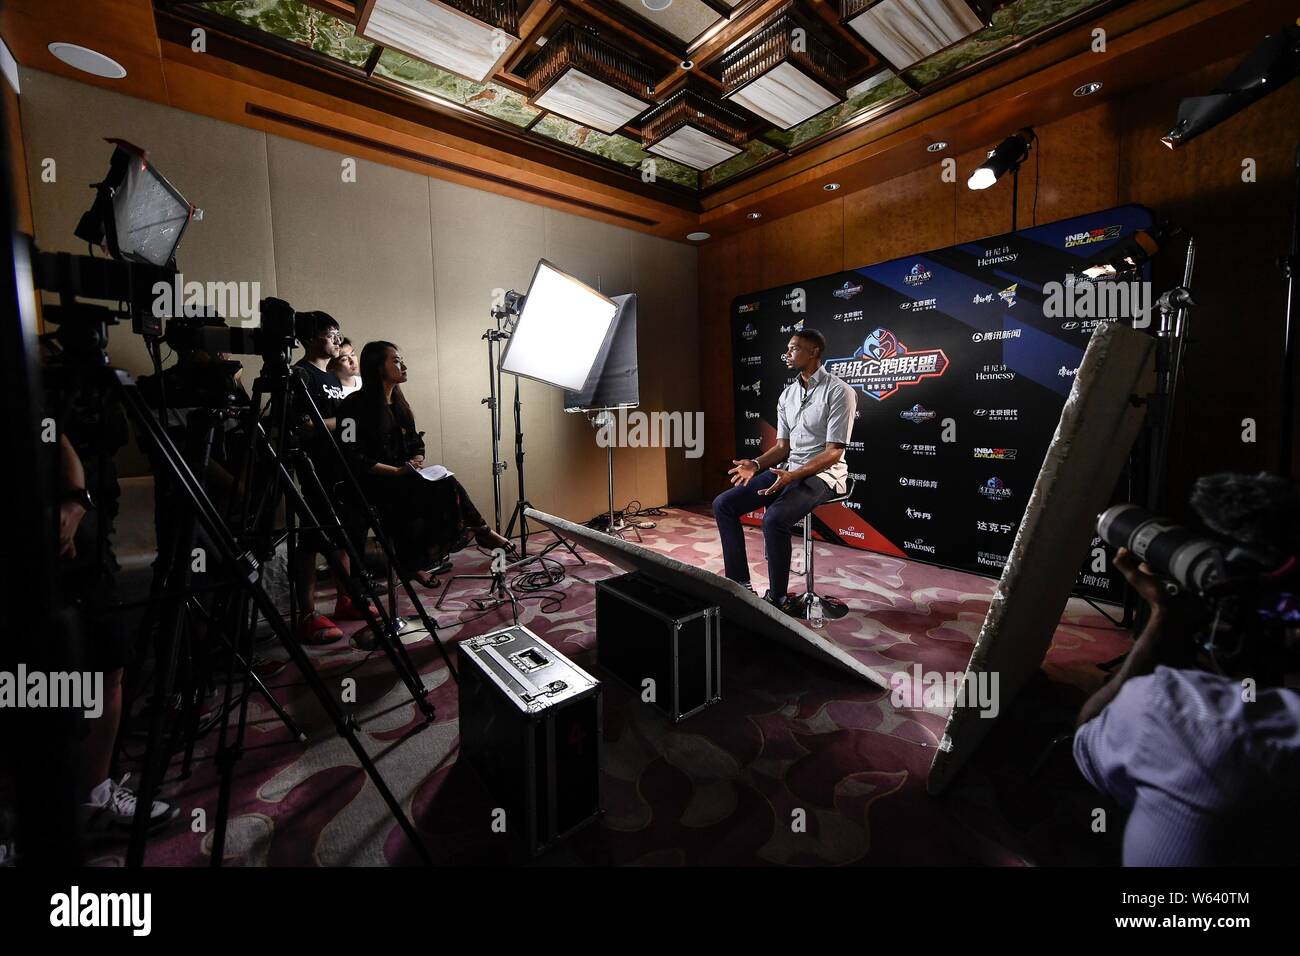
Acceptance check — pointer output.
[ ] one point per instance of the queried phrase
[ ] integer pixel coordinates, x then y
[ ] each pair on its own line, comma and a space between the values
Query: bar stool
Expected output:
830, 607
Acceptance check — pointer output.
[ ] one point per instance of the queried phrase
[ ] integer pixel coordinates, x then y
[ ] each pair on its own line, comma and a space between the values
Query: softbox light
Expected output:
138, 213
560, 330
614, 381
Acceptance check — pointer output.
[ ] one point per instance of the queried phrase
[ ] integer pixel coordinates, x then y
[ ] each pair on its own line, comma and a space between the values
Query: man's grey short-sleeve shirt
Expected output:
816, 416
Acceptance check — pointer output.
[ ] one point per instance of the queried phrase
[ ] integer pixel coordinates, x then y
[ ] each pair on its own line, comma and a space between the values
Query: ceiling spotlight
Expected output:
656, 5
754, 215
1087, 89
938, 147
831, 187
697, 236
88, 60
1005, 157
688, 64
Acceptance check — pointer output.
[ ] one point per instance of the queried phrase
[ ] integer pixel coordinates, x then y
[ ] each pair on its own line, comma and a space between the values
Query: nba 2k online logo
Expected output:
882, 365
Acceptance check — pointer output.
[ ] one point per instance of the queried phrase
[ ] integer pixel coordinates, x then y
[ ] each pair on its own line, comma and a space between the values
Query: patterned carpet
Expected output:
724, 787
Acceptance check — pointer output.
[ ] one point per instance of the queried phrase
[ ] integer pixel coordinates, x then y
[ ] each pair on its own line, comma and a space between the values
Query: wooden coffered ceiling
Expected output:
297, 69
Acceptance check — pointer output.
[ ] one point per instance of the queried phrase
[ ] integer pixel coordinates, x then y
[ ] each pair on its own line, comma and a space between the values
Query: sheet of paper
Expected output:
432, 472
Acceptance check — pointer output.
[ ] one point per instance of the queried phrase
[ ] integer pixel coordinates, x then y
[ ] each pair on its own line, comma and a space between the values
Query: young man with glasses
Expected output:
326, 391
814, 418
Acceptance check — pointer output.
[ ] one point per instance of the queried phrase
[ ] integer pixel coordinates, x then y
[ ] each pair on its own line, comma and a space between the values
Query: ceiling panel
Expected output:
788, 112
618, 149
298, 23
490, 99
436, 34
684, 19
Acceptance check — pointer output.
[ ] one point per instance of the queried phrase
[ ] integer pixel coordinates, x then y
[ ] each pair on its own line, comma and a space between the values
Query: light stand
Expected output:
494, 337
500, 591
1173, 307
602, 418
1006, 157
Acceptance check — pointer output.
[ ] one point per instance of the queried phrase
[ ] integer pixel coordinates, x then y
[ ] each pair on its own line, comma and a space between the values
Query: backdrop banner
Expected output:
962, 359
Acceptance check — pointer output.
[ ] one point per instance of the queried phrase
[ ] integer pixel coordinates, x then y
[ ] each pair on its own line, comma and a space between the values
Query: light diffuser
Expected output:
560, 330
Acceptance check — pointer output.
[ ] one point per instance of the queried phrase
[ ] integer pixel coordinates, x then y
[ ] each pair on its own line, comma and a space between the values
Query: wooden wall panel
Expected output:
905, 215
1234, 365
801, 246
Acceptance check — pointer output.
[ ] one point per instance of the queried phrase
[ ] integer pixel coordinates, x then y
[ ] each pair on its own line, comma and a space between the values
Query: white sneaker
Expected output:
111, 809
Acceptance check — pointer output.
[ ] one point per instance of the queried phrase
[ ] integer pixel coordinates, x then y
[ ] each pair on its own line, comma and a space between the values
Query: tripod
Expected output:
252, 597
504, 318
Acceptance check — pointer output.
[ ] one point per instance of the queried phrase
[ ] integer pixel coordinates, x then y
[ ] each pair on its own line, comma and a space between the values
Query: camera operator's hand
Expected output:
70, 515
1141, 580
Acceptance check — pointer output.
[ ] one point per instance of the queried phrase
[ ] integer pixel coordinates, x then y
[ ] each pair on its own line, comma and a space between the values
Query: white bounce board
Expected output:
737, 604
1097, 428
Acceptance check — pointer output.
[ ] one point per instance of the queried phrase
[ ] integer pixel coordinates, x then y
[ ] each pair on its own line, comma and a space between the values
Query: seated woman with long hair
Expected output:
427, 520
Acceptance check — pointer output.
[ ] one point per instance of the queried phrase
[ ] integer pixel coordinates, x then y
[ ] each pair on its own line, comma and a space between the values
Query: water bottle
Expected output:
815, 617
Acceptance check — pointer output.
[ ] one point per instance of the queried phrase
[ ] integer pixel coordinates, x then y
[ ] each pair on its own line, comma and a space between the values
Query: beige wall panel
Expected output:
362, 251
483, 242
669, 341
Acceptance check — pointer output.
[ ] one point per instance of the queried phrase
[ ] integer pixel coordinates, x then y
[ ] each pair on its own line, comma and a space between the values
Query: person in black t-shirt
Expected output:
326, 391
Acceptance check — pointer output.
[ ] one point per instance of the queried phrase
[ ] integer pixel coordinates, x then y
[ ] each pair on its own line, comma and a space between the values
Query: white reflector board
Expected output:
560, 330
1084, 461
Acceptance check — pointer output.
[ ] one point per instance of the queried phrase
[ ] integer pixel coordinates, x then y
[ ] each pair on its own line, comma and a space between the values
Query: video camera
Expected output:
1250, 592
273, 340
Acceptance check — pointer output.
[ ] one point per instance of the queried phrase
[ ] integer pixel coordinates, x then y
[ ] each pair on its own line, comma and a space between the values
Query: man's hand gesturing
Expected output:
745, 469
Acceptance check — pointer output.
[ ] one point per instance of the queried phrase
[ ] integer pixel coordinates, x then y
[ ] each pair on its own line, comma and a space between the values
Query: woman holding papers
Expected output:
424, 508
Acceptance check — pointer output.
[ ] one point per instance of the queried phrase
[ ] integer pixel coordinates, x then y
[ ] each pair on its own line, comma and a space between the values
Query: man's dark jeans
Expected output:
784, 511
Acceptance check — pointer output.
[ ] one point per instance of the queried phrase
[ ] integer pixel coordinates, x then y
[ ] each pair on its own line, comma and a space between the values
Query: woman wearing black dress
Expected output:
427, 520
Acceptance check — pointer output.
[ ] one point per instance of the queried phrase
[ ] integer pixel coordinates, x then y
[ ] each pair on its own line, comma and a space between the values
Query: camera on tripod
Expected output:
273, 340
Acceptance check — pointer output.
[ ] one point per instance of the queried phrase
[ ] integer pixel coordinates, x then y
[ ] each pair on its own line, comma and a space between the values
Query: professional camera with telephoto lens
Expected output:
1249, 595
272, 340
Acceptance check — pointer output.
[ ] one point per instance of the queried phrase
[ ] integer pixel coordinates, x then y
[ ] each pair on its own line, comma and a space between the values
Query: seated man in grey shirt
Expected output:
814, 418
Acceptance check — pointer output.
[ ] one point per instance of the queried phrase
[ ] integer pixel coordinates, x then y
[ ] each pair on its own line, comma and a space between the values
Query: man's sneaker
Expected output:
788, 605
8, 853
111, 810
316, 628
345, 609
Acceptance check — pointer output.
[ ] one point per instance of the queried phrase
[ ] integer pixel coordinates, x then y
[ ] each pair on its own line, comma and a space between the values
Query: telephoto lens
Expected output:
1194, 560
